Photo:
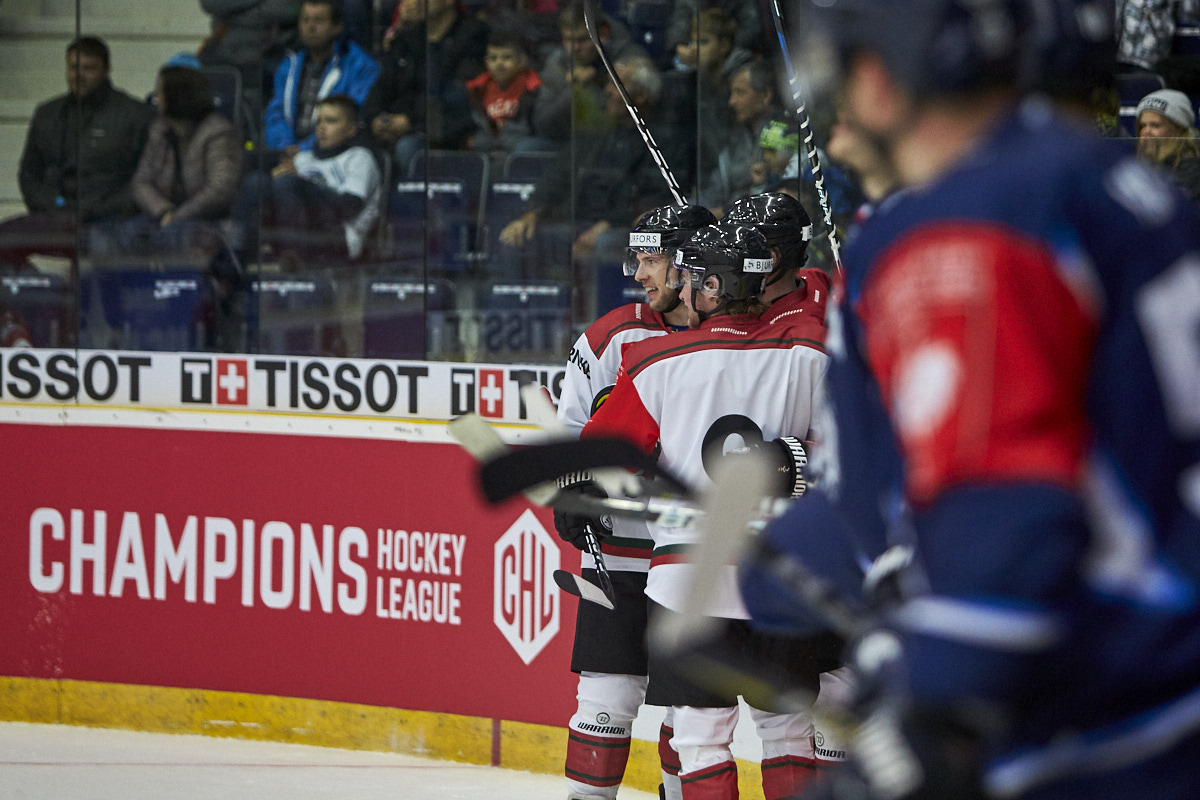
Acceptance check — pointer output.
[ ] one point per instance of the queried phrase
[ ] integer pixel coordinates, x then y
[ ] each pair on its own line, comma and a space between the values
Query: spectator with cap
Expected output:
326, 64
1166, 128
80, 154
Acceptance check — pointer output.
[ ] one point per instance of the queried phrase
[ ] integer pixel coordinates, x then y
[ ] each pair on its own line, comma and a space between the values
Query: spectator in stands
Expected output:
573, 96
712, 49
1146, 28
320, 204
187, 178
421, 97
252, 36
68, 183
744, 13
753, 99
503, 98
1166, 127
326, 64
609, 185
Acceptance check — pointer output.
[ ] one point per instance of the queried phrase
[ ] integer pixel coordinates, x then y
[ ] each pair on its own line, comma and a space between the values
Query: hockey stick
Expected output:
481, 441
809, 147
589, 19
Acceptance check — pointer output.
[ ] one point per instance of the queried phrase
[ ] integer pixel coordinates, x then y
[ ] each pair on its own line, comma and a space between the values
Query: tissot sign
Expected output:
359, 387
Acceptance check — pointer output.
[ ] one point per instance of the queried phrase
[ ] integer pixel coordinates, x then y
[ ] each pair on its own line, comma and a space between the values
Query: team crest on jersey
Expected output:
599, 399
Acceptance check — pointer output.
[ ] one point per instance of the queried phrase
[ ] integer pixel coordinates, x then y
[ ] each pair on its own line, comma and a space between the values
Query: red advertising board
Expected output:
345, 569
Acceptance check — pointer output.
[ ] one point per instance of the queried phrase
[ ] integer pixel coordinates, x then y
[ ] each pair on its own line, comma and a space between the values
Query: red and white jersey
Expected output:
808, 300
591, 373
733, 379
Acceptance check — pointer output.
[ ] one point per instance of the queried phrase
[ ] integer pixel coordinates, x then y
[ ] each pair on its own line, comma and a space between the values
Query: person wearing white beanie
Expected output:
1167, 136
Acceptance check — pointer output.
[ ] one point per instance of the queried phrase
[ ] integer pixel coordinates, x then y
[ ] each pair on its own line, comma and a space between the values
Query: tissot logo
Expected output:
230, 385
195, 380
491, 393
233, 382
462, 392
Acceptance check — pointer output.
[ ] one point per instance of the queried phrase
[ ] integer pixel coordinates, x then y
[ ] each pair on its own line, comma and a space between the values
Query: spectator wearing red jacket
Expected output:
503, 97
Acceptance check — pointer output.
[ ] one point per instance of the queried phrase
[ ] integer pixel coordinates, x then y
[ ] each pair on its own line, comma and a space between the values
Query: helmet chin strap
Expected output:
675, 304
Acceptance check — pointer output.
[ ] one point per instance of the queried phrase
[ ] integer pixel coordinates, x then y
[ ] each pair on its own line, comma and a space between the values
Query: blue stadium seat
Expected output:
1187, 40
44, 303
527, 319
506, 202
527, 167
430, 225
138, 309
294, 315
406, 317
614, 288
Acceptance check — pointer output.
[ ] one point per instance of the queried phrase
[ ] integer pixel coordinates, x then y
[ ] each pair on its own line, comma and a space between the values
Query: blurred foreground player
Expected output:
691, 398
1018, 337
610, 645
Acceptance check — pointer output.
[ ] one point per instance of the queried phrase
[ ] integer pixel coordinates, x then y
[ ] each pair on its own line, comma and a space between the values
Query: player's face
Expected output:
334, 126
317, 28
503, 63
85, 74
652, 275
696, 301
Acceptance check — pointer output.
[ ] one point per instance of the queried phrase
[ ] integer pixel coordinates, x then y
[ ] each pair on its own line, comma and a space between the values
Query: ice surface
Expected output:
62, 762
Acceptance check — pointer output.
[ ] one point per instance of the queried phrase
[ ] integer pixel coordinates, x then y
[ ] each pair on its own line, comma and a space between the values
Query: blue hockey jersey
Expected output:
1016, 380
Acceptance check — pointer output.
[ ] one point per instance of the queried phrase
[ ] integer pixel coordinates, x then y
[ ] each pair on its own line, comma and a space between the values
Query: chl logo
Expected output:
525, 605
231, 377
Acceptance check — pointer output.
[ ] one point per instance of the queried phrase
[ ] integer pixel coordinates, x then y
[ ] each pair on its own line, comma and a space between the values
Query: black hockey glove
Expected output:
787, 458
572, 526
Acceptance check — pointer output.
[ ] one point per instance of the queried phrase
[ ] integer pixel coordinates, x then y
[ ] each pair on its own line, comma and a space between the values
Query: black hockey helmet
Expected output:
737, 256
781, 219
662, 230
931, 47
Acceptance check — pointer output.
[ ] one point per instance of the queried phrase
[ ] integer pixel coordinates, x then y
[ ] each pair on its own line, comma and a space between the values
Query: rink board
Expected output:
297, 552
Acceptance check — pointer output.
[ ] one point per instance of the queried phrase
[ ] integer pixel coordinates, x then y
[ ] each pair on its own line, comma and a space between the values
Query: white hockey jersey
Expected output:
734, 378
591, 373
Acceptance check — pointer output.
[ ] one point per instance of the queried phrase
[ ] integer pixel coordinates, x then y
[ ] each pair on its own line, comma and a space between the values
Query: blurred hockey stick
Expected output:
809, 147
589, 19
483, 442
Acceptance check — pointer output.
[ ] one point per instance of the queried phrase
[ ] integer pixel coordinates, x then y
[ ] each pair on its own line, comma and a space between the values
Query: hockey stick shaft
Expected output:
810, 147
589, 19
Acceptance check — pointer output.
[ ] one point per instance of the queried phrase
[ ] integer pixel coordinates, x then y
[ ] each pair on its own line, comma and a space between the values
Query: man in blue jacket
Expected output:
326, 64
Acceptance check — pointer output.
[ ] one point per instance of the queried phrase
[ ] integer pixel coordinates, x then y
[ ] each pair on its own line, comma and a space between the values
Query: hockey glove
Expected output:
787, 458
573, 526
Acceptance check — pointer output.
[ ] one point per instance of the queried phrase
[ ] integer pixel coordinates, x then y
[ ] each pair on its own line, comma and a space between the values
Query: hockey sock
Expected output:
600, 732
669, 760
716, 782
789, 763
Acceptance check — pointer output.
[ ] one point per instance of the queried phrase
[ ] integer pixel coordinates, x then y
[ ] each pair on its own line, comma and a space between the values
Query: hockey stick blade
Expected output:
575, 585
733, 502
541, 412
482, 441
515, 471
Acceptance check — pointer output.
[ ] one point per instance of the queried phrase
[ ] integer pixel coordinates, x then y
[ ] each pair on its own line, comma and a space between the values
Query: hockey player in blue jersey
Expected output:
1015, 385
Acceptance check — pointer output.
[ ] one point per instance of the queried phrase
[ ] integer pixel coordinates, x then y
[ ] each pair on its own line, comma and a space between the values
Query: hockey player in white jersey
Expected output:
791, 289
610, 648
723, 385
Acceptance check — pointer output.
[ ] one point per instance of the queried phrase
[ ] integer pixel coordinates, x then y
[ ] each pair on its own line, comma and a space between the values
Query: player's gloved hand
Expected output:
887, 581
572, 526
787, 458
